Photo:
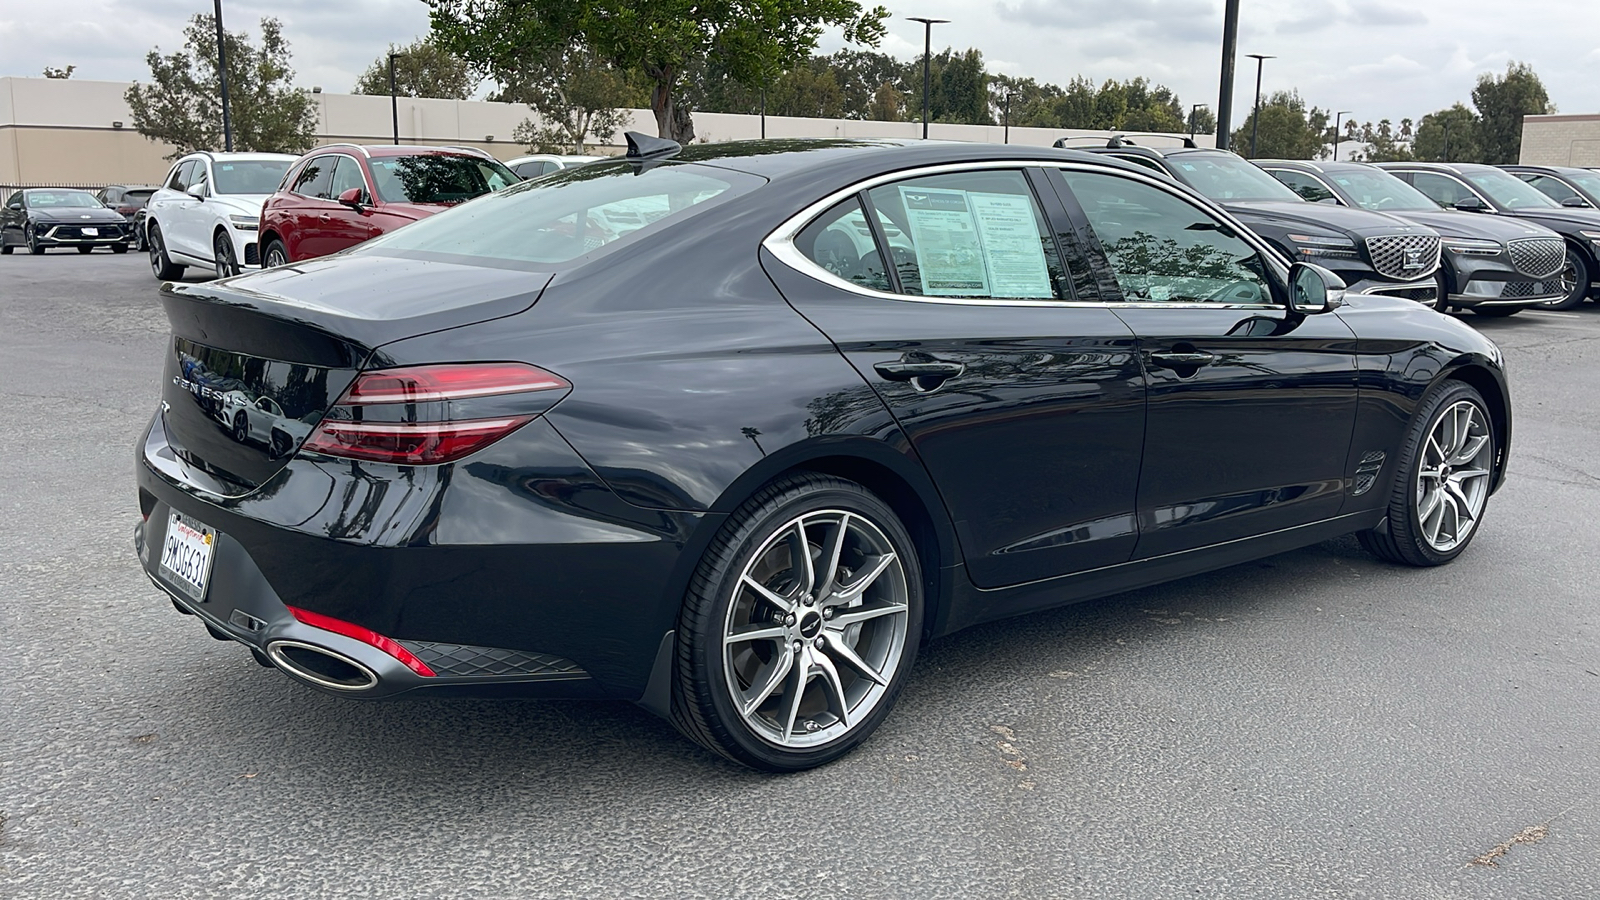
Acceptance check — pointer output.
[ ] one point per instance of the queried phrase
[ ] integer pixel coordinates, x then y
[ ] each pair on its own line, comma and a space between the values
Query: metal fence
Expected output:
6, 190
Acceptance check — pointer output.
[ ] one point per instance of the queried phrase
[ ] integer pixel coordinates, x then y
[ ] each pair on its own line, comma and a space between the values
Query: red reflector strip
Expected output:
365, 636
415, 443
424, 384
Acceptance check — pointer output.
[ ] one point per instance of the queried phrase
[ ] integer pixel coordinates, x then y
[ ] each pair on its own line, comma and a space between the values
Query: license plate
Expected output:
90, 232
186, 555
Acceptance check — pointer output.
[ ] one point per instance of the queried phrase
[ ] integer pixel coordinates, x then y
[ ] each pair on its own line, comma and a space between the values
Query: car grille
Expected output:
73, 232
1390, 254
466, 660
1548, 288
1538, 257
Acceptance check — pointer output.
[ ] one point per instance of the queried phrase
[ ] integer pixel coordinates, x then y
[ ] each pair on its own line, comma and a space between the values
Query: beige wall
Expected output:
1561, 140
64, 132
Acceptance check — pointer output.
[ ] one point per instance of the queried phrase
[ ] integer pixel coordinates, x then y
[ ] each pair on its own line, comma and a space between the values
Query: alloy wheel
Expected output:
1452, 484
32, 238
222, 251
816, 630
153, 241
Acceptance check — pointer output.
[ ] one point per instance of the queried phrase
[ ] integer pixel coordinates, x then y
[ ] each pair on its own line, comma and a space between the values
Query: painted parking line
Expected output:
1541, 312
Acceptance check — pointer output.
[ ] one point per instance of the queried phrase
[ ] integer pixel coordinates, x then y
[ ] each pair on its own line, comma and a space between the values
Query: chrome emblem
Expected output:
1413, 260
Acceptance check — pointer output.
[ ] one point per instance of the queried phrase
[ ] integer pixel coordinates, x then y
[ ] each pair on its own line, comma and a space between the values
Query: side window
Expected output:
969, 234
198, 174
841, 242
315, 178
1441, 189
1144, 161
179, 181
529, 169
1163, 248
1305, 185
1550, 187
347, 175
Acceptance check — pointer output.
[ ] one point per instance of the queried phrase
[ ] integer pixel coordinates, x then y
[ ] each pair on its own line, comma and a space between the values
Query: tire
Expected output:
33, 241
5, 249
161, 265
86, 250
1575, 276
222, 252
241, 427
275, 255
119, 248
1435, 443
739, 697
1497, 312
1442, 301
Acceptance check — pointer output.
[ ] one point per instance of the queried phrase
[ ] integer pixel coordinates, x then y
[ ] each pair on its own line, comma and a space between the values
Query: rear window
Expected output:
437, 178
568, 213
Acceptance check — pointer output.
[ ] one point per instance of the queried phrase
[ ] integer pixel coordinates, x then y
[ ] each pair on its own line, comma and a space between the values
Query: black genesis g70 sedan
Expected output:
730, 431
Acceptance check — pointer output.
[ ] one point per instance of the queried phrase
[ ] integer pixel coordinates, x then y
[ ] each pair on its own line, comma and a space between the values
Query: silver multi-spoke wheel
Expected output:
816, 629
1453, 478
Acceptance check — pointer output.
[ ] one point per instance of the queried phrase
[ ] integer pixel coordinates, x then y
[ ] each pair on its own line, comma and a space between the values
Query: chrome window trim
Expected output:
780, 242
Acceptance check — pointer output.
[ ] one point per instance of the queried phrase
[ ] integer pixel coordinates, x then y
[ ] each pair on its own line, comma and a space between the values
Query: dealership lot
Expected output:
1317, 724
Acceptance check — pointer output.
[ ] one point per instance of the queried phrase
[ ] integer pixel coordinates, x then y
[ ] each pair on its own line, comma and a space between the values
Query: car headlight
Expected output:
245, 223
1324, 245
1471, 247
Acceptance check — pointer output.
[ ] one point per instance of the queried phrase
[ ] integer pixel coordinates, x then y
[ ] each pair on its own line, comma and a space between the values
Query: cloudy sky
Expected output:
1380, 58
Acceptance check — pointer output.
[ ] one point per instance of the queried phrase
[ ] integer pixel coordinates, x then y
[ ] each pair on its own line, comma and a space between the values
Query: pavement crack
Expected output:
1533, 834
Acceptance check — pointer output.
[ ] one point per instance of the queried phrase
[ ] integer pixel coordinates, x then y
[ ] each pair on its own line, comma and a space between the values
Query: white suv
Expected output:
208, 209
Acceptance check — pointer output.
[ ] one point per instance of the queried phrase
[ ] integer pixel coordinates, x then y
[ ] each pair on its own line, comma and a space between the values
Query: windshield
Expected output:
1509, 191
437, 178
1225, 177
1378, 190
567, 213
249, 176
1589, 182
52, 199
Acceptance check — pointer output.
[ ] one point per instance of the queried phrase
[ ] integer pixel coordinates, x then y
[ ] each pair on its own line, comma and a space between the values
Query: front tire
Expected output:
1442, 482
85, 250
1497, 312
1575, 277
32, 239
222, 252
119, 248
275, 255
161, 265
799, 627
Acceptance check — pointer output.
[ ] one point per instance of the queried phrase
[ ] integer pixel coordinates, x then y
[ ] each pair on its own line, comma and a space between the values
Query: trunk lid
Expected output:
255, 361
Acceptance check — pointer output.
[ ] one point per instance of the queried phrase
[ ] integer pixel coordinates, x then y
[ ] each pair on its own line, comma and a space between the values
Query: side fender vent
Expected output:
1367, 471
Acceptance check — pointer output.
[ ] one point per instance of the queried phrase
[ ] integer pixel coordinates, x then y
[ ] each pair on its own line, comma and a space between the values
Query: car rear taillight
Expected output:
426, 415
364, 635
127, 210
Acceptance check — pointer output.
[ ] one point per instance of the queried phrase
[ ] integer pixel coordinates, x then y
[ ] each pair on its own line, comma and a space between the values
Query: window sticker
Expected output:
975, 244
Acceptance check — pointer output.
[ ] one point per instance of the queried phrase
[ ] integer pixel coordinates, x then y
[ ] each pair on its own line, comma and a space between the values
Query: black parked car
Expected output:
1372, 252
1494, 267
1477, 188
129, 200
738, 458
1566, 185
41, 218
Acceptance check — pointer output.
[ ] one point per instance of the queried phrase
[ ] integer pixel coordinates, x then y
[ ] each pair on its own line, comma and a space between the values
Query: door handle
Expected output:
923, 374
1182, 359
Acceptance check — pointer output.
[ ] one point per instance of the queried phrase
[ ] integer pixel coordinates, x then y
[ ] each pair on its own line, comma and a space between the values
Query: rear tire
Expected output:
1575, 277
1442, 478
829, 577
161, 265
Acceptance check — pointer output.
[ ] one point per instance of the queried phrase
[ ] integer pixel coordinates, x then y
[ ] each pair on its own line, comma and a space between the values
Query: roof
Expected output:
797, 157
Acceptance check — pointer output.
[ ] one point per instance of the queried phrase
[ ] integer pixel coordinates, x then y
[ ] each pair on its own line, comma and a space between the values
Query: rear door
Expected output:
1020, 391
1250, 409
340, 225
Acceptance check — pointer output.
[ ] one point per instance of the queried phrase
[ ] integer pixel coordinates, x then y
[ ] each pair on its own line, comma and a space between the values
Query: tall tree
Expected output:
421, 69
660, 39
181, 105
1501, 103
59, 74
1288, 129
576, 95
1449, 135
861, 75
1384, 144
959, 89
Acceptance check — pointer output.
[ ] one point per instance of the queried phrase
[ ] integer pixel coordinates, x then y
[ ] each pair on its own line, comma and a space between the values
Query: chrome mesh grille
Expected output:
1546, 288
1404, 255
1538, 257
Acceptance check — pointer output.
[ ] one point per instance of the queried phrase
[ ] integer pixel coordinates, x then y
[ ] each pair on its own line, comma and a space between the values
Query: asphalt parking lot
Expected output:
1318, 724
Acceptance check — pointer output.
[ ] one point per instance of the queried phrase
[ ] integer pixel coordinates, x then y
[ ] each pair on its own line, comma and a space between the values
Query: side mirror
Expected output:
1575, 201
17, 205
1471, 204
1331, 201
1313, 289
196, 190
352, 198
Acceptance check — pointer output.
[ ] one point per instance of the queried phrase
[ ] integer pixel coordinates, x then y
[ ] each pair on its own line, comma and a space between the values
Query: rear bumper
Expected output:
512, 573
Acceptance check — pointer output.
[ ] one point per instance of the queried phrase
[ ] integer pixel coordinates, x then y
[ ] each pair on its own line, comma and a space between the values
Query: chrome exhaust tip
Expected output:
321, 666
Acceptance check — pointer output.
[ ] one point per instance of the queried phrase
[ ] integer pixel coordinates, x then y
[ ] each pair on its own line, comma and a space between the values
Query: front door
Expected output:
1027, 410
1250, 408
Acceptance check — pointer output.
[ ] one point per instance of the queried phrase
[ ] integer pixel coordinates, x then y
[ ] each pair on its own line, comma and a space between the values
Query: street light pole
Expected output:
222, 78
1230, 45
394, 101
1007, 139
1255, 117
1336, 117
927, 61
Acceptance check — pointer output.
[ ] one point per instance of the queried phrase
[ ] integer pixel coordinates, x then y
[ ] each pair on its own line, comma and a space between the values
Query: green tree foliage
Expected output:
1288, 129
421, 69
958, 88
1449, 135
577, 96
1133, 105
1384, 143
862, 76
1502, 102
59, 74
661, 40
182, 106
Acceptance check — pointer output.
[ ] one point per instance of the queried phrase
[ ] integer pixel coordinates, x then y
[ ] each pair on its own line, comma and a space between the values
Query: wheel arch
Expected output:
1494, 392
1588, 254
